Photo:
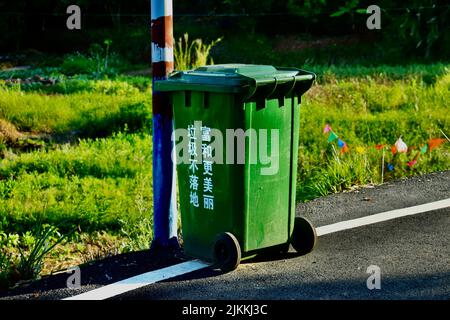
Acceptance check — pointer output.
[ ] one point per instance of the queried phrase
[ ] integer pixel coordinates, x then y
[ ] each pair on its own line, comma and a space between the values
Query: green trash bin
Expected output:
236, 136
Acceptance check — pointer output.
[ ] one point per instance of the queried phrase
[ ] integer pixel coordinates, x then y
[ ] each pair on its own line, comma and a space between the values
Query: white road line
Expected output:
384, 216
139, 281
151, 277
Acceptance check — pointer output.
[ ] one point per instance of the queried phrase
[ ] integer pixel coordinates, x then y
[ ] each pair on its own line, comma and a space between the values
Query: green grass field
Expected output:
91, 173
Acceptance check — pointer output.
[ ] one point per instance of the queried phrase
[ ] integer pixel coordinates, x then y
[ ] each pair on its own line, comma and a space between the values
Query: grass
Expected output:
424, 74
101, 106
365, 113
100, 189
99, 183
96, 185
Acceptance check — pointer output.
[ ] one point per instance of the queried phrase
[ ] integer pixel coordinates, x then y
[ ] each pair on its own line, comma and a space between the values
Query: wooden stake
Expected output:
382, 167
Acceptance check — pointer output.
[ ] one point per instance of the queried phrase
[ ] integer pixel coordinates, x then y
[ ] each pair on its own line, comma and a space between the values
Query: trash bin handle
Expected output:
294, 82
295, 79
275, 84
304, 77
256, 84
253, 88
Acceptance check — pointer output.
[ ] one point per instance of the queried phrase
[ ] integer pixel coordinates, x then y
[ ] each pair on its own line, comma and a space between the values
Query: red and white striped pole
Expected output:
164, 176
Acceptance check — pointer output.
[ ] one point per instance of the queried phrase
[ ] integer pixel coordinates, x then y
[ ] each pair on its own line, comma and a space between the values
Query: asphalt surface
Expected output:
371, 200
413, 254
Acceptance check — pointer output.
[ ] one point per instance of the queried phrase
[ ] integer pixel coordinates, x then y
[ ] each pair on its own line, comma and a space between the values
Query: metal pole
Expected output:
164, 176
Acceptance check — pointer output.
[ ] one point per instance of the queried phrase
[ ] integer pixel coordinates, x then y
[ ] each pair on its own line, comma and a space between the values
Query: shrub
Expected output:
98, 61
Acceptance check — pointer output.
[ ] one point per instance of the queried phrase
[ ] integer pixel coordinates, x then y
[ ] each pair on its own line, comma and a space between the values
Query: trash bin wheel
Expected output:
227, 252
304, 237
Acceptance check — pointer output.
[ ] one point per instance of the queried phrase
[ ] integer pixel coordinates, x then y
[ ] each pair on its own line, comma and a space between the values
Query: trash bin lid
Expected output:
238, 78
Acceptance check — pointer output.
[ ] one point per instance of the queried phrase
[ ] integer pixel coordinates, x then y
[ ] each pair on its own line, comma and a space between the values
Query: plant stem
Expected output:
444, 135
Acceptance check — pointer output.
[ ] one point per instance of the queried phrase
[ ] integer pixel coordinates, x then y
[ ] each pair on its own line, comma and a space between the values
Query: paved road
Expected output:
412, 252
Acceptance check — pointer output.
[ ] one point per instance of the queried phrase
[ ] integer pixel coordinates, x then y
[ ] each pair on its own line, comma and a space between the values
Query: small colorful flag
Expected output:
341, 143
411, 163
327, 128
332, 136
390, 166
434, 143
424, 149
393, 150
401, 146
344, 148
360, 150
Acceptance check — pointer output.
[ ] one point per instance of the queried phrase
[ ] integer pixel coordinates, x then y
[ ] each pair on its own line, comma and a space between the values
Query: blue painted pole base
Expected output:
164, 186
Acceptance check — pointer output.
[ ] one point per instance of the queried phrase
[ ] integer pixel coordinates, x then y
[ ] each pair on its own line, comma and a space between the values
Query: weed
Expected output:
5, 269
30, 264
22, 258
202, 52
189, 55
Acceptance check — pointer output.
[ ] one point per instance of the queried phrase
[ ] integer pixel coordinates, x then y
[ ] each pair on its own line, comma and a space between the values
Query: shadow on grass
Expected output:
129, 118
98, 273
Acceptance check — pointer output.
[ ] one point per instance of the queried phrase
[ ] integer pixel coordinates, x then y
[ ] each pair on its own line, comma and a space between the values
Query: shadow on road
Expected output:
434, 286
